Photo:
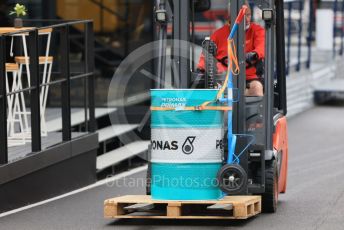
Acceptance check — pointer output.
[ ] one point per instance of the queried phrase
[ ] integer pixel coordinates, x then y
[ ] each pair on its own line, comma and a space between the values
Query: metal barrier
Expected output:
65, 82
294, 29
300, 26
124, 18
338, 26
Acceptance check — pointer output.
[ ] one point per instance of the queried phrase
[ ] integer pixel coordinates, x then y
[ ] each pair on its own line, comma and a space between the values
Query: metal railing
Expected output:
300, 27
294, 28
35, 84
104, 8
338, 10
123, 17
300, 31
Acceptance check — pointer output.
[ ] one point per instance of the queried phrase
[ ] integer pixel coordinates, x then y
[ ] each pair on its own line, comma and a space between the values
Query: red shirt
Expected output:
255, 42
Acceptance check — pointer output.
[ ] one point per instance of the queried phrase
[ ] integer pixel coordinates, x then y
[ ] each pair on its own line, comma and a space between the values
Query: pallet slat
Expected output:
174, 209
139, 207
243, 208
220, 207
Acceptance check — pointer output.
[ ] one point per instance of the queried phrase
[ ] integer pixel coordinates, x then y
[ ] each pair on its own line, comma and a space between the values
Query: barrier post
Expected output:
65, 86
289, 37
310, 33
298, 66
35, 92
3, 103
335, 9
342, 30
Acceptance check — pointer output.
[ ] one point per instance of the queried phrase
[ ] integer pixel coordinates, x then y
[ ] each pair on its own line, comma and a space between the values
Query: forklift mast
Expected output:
181, 71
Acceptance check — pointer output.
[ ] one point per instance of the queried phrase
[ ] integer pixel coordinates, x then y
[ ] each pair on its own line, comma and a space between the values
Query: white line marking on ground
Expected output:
99, 183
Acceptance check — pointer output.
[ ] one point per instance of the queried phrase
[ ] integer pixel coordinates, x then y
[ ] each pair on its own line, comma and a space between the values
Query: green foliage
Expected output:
19, 10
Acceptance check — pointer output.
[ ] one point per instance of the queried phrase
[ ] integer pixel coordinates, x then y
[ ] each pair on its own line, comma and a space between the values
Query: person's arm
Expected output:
259, 42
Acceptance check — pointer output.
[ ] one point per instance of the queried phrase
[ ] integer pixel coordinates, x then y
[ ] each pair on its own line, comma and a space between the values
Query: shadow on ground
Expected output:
180, 222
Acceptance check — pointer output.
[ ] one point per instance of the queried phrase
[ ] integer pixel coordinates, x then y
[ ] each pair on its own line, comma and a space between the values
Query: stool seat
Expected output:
42, 59
11, 67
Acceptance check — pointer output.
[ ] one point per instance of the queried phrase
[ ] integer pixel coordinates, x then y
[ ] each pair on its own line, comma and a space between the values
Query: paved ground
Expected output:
314, 199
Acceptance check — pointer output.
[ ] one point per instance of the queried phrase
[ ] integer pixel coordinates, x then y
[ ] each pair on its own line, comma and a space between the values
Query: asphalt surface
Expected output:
314, 198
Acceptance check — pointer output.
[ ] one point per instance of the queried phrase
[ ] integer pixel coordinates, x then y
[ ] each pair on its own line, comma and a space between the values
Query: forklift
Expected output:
249, 182
263, 163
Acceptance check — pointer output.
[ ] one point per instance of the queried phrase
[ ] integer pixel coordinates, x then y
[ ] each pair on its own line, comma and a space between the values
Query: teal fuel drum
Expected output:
187, 145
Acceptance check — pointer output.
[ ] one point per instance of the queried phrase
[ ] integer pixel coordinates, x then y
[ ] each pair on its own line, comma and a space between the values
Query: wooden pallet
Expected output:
243, 207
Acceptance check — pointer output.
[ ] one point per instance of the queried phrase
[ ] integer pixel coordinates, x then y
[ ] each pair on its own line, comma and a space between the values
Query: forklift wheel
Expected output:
270, 197
232, 179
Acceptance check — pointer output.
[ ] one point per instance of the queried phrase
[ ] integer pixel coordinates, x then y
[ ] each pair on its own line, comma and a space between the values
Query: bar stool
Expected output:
47, 61
14, 138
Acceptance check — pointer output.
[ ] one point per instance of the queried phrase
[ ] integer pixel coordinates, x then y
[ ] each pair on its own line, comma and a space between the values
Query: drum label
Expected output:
177, 145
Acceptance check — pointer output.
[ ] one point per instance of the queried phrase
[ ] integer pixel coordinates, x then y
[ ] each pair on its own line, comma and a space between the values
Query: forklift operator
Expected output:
254, 53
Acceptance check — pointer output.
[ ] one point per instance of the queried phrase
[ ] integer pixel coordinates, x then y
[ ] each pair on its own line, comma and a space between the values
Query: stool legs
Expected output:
44, 95
14, 138
23, 111
9, 113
